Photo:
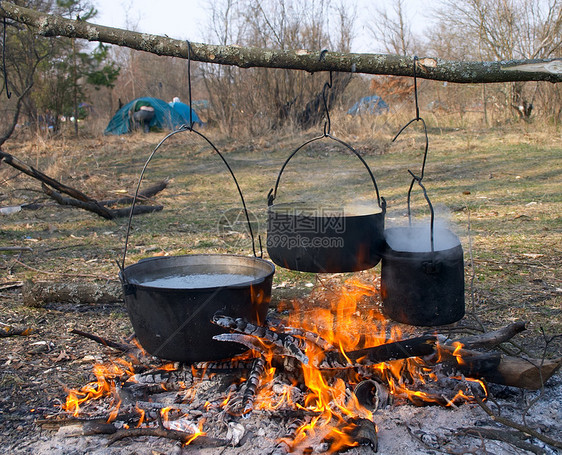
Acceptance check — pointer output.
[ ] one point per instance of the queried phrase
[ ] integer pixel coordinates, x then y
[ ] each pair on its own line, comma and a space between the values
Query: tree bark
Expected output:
90, 206
502, 369
38, 294
246, 57
489, 340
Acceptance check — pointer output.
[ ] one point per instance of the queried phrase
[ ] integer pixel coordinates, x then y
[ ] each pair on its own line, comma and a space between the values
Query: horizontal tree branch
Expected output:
312, 61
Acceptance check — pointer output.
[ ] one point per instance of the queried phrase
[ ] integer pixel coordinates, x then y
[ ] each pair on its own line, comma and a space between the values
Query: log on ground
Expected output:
38, 294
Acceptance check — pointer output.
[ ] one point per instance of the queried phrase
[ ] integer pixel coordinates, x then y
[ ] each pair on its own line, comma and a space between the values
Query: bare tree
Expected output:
506, 30
392, 28
273, 96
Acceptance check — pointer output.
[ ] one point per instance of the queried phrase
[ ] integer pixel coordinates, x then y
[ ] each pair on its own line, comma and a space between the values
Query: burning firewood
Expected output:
296, 346
413, 347
314, 338
283, 446
293, 346
262, 346
518, 372
252, 384
185, 438
332, 377
363, 432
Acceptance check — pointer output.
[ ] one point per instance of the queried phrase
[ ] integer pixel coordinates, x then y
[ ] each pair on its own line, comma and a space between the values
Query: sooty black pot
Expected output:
422, 288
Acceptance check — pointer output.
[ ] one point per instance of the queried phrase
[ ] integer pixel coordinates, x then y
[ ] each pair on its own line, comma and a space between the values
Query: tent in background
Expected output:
369, 105
165, 117
184, 109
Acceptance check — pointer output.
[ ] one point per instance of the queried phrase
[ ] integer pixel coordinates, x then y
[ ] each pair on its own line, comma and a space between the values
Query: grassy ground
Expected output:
501, 191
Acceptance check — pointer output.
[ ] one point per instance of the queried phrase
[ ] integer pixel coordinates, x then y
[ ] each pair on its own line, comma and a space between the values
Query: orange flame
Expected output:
102, 387
197, 433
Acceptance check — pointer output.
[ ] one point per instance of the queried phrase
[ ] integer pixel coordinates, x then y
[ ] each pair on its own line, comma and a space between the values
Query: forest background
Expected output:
54, 80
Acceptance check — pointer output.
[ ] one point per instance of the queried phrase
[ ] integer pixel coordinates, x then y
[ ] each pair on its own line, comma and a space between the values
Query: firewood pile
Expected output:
301, 388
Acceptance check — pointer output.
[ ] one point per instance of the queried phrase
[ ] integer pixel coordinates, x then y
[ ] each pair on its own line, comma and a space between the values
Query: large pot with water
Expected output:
171, 300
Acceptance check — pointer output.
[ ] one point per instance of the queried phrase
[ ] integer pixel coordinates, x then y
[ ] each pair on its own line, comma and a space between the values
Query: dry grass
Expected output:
506, 181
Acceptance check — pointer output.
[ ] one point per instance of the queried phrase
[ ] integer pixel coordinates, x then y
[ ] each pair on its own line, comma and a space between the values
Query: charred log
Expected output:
292, 345
529, 374
252, 384
500, 369
176, 435
262, 346
283, 447
312, 337
413, 347
364, 433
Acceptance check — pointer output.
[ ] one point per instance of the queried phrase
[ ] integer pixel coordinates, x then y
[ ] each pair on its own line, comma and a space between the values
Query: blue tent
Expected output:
184, 109
165, 117
369, 105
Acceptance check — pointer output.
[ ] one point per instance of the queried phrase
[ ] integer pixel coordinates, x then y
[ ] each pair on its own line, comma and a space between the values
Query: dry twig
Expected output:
523, 428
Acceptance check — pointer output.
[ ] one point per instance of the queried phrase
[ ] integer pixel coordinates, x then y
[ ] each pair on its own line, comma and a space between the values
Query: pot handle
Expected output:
182, 128
430, 205
273, 192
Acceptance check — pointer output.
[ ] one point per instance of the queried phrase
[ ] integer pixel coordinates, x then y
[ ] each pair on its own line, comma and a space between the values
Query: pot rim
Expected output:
389, 250
309, 210
250, 259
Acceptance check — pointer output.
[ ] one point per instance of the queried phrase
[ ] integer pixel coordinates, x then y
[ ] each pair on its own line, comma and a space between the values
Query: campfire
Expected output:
321, 374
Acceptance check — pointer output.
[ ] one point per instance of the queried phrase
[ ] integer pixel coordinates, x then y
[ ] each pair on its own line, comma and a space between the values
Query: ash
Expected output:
402, 427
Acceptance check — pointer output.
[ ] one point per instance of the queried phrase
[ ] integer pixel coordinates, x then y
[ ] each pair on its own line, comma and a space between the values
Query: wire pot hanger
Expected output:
326, 134
418, 178
184, 128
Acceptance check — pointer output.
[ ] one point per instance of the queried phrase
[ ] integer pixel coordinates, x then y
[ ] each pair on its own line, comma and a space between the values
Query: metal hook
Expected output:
416, 89
135, 197
417, 119
328, 122
189, 83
